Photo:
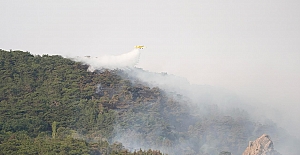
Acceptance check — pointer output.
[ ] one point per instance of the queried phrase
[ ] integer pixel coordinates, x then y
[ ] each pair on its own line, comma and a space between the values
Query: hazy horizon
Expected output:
250, 48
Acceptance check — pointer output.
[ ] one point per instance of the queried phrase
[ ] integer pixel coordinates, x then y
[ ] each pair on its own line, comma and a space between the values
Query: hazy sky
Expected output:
249, 47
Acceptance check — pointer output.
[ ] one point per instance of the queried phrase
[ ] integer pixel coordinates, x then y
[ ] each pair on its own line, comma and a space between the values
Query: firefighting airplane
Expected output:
139, 47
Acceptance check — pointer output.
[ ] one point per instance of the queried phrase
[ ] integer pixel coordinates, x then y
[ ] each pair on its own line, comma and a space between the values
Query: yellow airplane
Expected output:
139, 46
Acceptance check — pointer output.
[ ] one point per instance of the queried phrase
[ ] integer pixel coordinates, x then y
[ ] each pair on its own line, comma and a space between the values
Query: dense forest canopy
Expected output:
53, 105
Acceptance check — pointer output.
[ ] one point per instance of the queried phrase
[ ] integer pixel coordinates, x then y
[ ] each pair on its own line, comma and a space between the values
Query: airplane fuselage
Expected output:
139, 46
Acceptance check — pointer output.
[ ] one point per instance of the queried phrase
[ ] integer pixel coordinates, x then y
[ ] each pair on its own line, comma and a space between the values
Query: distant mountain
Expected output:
50, 104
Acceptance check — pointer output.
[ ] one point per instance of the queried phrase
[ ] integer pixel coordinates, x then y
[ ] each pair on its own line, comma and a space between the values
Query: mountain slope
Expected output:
56, 103
47, 100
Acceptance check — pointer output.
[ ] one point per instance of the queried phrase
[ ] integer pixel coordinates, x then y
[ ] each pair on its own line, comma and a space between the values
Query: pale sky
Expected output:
249, 47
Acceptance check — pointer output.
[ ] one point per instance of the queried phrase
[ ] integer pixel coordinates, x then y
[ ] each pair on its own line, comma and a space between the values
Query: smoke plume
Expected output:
206, 102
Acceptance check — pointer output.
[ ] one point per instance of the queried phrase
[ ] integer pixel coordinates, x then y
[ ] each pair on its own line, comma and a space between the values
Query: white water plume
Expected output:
123, 61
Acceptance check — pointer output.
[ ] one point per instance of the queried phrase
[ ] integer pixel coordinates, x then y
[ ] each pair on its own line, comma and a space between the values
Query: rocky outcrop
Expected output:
261, 146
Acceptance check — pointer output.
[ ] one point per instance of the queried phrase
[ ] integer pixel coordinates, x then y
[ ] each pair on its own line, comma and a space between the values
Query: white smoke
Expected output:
199, 94
123, 61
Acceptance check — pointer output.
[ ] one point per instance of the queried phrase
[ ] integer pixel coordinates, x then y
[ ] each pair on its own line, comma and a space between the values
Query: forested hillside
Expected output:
52, 105
49, 106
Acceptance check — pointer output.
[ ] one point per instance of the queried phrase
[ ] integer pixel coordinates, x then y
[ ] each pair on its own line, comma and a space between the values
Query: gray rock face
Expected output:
225, 153
261, 146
